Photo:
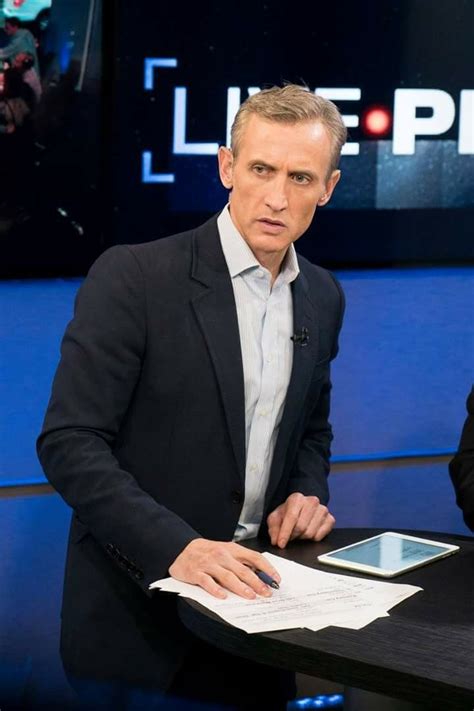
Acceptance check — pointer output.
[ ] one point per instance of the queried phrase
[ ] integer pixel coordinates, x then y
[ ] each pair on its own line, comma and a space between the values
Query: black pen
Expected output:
267, 579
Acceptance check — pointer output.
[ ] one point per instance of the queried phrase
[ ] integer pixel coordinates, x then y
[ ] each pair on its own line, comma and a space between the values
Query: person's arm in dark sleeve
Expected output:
461, 467
101, 359
311, 468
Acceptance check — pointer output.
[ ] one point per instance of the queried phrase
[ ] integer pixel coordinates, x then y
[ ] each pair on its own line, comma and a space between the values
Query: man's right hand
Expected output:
219, 567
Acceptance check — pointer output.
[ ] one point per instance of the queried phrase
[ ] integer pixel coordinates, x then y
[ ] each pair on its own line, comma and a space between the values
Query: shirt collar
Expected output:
239, 256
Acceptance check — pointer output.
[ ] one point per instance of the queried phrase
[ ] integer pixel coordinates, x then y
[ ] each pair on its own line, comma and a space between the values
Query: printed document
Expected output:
307, 598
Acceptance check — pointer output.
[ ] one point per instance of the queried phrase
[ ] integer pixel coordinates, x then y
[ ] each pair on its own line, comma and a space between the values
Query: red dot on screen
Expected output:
376, 121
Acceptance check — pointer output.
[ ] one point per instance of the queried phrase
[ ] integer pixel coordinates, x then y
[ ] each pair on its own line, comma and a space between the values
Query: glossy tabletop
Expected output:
423, 652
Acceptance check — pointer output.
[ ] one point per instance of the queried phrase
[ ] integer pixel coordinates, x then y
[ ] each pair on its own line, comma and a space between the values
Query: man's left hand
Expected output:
299, 517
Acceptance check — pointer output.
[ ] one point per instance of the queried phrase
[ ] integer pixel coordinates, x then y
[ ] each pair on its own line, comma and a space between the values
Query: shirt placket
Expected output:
262, 421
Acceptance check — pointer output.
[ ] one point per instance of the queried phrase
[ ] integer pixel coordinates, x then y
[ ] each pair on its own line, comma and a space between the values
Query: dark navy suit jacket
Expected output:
461, 467
144, 438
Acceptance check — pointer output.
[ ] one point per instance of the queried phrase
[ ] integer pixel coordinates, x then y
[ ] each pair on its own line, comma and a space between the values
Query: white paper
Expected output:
307, 598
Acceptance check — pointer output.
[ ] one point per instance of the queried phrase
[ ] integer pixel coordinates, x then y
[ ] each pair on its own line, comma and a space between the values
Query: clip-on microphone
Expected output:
301, 338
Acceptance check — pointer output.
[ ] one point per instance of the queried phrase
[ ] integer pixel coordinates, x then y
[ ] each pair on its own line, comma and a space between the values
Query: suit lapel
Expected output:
214, 306
304, 358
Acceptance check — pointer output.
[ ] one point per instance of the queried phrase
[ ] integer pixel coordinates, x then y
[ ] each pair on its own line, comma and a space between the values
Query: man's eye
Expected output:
259, 169
301, 179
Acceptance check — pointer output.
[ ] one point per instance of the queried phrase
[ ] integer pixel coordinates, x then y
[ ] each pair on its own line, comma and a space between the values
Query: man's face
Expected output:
278, 178
10, 29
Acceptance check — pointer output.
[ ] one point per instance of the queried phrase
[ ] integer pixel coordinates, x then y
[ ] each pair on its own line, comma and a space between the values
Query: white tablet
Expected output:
387, 554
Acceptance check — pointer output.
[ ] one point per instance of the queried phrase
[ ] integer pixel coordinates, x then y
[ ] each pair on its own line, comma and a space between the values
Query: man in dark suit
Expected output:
190, 411
461, 467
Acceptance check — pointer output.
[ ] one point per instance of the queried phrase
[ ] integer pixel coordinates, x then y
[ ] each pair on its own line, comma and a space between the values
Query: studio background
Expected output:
398, 234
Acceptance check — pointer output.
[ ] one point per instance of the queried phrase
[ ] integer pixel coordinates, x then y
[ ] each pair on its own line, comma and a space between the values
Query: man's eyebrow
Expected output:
256, 161
304, 171
296, 171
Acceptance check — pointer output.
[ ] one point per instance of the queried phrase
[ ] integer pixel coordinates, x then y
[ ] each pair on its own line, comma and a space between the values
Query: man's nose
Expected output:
276, 198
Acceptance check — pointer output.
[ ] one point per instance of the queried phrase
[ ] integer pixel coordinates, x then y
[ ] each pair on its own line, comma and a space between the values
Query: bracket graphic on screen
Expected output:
152, 63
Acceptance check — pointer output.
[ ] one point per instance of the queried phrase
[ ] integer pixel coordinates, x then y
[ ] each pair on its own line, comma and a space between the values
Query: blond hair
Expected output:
292, 103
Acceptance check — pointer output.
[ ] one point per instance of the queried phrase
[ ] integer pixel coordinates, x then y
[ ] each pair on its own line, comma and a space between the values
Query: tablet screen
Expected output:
388, 553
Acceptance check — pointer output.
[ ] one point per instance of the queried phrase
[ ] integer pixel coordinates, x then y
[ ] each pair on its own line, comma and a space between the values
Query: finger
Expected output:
274, 521
286, 530
293, 507
309, 512
230, 574
207, 583
246, 573
230, 581
325, 528
312, 530
313, 518
320, 527
257, 561
249, 577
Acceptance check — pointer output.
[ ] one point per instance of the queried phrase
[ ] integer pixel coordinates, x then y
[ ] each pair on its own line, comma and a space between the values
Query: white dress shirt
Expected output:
265, 317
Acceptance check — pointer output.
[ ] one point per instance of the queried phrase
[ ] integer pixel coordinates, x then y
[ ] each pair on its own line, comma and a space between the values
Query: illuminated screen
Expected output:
51, 143
137, 97
389, 552
400, 73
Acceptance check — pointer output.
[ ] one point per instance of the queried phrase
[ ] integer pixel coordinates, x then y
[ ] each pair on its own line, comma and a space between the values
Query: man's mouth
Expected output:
273, 227
269, 221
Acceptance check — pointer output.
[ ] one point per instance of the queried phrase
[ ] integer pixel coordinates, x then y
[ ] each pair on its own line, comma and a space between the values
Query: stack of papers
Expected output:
306, 598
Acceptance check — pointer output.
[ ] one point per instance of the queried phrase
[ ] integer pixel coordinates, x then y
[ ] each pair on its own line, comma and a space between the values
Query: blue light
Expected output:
180, 147
65, 51
330, 701
147, 173
151, 63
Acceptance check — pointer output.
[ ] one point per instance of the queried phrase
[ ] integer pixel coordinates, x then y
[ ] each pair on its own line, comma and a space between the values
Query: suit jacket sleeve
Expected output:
461, 467
101, 358
311, 468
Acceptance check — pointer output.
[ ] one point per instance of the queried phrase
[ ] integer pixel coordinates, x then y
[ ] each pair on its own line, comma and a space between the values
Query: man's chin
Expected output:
266, 245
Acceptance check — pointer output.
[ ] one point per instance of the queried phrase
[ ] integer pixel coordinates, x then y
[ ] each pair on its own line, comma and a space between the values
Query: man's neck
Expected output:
272, 262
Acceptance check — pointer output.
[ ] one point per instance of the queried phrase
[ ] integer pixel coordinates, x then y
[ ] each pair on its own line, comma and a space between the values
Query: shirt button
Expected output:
260, 273
236, 497
263, 413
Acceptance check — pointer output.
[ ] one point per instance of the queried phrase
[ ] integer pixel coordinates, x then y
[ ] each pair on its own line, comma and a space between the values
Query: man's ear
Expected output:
226, 163
331, 183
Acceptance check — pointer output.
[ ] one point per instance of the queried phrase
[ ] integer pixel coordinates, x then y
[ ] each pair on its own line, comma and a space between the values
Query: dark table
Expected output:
423, 652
